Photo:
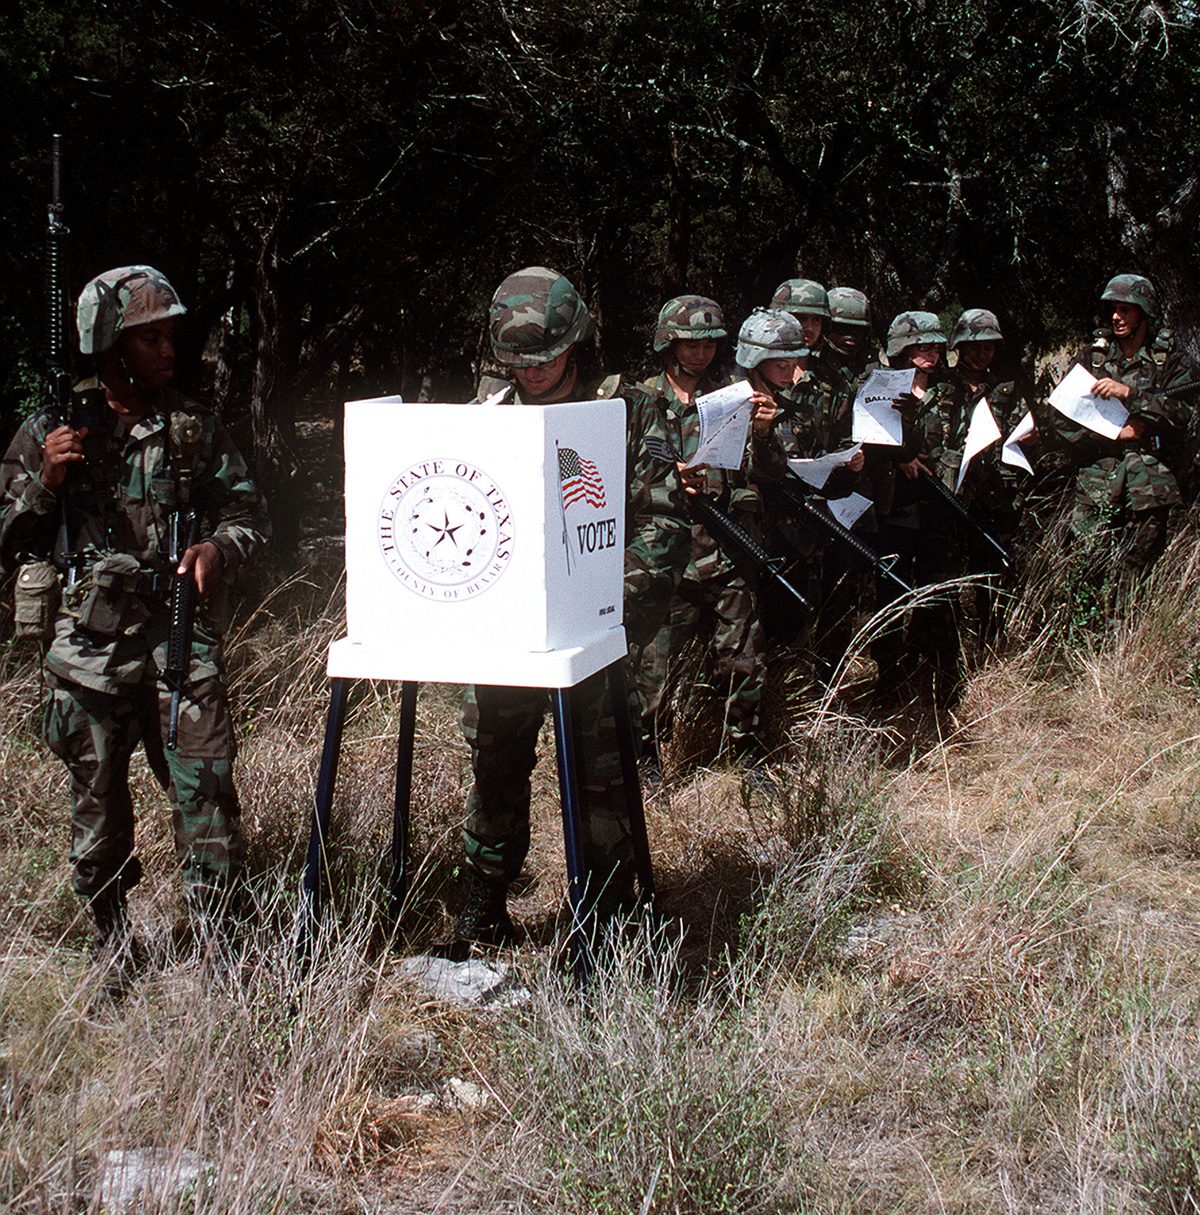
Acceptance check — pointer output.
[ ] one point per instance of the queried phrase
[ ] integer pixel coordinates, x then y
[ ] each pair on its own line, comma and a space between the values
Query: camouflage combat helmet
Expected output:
914, 329
688, 317
769, 334
120, 299
801, 295
536, 314
1132, 289
975, 325
848, 307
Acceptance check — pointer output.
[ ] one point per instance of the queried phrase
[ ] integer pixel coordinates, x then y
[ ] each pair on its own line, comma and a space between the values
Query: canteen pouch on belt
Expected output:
36, 598
110, 604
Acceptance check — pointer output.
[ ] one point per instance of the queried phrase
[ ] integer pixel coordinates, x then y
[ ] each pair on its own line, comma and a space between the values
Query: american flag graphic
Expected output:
580, 478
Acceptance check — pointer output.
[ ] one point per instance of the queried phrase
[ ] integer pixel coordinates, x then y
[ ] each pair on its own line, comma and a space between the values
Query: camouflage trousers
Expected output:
502, 727
1118, 545
722, 611
95, 734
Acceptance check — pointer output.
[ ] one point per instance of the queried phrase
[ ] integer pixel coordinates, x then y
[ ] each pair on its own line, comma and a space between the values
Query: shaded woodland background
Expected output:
337, 188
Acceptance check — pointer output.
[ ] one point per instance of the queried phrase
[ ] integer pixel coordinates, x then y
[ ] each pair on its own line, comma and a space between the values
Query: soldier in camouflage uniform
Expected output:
914, 524
848, 346
115, 471
715, 601
1126, 488
992, 489
814, 420
539, 326
807, 301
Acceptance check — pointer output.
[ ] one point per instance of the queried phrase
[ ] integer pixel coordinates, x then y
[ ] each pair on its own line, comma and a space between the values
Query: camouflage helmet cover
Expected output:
848, 307
536, 315
801, 295
768, 333
120, 299
914, 329
688, 317
975, 325
1132, 289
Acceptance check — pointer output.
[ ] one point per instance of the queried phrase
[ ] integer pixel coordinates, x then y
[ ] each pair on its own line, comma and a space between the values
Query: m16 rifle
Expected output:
948, 498
820, 520
729, 534
58, 349
186, 435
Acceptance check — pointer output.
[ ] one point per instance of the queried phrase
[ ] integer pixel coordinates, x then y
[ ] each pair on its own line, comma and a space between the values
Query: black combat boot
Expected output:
118, 954
484, 917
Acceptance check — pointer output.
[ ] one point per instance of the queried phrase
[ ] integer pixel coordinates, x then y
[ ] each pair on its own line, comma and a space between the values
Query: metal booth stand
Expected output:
484, 545
342, 657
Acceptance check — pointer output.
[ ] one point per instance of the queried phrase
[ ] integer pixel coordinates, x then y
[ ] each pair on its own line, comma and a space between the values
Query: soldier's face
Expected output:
924, 357
977, 356
845, 338
694, 355
777, 372
148, 352
1127, 320
812, 326
547, 382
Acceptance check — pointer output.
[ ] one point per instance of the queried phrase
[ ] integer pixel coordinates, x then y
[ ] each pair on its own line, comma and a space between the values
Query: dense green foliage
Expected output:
336, 189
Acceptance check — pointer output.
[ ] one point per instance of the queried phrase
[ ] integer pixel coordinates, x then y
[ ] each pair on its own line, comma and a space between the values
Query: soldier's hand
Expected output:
206, 562
63, 448
856, 461
1108, 388
915, 467
764, 413
694, 480
1135, 428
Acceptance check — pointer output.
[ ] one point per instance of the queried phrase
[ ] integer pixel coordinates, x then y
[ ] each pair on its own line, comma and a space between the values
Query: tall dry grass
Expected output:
957, 974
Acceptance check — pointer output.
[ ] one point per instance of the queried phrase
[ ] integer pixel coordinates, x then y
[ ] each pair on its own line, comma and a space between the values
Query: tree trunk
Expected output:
272, 413
679, 223
1159, 246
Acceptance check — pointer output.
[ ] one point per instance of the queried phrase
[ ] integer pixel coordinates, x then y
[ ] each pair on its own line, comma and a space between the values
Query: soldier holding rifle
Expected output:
106, 493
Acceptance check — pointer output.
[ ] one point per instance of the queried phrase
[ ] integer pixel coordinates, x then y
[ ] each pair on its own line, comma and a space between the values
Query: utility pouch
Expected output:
36, 600
110, 604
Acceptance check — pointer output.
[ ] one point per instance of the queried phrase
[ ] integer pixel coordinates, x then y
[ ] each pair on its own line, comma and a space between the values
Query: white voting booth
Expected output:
484, 544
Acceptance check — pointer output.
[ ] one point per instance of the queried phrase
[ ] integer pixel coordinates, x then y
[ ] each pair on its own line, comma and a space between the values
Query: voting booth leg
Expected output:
619, 694
400, 814
568, 785
312, 886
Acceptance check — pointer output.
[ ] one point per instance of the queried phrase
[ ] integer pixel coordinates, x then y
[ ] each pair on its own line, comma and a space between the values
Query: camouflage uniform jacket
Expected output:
1139, 473
935, 434
119, 502
815, 419
991, 486
734, 492
657, 536
831, 363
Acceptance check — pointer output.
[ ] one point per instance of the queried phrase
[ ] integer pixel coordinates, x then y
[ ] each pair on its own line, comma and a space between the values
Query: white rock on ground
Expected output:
473, 983
130, 1180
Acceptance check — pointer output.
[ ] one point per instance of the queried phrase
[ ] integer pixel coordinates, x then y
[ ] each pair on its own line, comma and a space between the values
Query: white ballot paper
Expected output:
848, 510
724, 426
816, 472
876, 420
1073, 399
1012, 453
982, 432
